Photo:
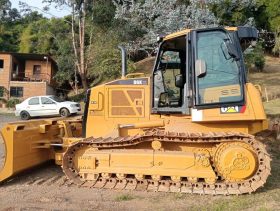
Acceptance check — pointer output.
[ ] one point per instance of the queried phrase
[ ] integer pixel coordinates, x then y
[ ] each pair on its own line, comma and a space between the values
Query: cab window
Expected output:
167, 93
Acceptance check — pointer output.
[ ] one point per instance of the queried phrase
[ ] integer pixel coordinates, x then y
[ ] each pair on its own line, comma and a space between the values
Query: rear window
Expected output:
34, 101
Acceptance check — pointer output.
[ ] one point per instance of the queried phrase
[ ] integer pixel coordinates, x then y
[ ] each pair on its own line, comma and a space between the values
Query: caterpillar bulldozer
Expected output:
189, 127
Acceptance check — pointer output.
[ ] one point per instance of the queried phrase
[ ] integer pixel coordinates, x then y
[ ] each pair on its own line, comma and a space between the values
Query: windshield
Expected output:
56, 99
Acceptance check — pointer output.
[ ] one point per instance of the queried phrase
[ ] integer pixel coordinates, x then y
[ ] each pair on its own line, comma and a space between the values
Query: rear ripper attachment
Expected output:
212, 163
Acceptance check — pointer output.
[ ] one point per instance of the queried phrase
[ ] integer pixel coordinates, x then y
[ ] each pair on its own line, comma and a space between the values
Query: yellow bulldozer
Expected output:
188, 128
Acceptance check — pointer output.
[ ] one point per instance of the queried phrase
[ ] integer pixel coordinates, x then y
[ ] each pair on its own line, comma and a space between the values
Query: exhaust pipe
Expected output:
124, 61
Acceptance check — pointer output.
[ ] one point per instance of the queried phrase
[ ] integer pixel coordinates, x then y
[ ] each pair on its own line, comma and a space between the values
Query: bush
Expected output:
1, 91
255, 58
3, 100
78, 98
12, 102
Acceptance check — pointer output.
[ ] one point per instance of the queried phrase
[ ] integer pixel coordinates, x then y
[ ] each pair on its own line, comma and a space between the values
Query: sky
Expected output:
55, 12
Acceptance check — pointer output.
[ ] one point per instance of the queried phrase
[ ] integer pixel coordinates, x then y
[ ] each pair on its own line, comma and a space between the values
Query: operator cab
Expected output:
200, 69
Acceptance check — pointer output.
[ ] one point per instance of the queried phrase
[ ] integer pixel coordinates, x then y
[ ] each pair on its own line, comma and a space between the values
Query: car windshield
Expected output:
56, 99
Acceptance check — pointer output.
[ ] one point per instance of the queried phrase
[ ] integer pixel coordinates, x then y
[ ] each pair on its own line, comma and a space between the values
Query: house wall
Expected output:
31, 89
46, 69
5, 72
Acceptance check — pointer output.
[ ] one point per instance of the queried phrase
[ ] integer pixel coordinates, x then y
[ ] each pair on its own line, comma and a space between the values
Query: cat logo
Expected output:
233, 109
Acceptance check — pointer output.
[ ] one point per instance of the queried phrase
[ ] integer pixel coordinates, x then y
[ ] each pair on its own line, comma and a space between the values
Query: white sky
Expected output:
56, 12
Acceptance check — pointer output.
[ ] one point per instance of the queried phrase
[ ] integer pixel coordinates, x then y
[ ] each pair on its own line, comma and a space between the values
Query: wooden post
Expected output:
266, 94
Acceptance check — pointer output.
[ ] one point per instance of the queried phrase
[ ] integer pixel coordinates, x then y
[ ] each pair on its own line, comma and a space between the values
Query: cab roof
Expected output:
243, 32
186, 31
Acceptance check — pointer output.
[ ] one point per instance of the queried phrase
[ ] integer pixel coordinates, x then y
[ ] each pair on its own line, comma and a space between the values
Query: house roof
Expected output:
30, 56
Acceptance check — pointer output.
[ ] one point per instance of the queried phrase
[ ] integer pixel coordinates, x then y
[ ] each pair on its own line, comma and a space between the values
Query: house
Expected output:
24, 75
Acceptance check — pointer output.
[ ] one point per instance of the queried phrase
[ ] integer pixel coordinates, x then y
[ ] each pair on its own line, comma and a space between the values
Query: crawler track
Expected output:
166, 185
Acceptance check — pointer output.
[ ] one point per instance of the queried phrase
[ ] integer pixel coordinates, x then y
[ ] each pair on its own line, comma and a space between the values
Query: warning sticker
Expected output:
233, 109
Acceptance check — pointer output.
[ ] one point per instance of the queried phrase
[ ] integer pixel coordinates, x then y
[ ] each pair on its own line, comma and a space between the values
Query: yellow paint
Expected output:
186, 31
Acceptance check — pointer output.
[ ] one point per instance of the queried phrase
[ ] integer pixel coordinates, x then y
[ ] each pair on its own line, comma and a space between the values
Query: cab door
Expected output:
217, 69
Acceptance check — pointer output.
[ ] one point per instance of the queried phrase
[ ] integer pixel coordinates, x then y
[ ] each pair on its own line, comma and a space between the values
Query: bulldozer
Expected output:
188, 127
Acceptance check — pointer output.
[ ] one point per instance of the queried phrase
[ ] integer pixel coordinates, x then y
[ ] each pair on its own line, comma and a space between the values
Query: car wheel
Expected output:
64, 112
24, 115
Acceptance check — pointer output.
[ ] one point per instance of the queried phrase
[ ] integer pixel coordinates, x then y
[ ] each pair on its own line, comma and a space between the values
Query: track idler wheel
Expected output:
235, 161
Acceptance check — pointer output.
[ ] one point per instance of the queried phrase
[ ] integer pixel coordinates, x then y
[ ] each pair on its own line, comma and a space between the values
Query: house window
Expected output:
2, 91
1, 64
36, 69
16, 91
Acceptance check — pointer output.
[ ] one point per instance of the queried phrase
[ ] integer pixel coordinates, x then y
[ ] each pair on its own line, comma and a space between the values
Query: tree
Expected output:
8, 26
155, 17
271, 11
233, 13
276, 48
79, 17
5, 7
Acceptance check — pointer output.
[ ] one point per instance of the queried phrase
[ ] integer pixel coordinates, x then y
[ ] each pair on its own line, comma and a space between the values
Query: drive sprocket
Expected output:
235, 161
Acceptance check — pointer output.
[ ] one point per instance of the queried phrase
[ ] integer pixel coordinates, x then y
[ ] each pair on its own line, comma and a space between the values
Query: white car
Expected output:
46, 106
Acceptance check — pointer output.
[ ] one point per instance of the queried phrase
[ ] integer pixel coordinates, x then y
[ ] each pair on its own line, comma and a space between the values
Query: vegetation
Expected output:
255, 58
124, 197
11, 103
84, 44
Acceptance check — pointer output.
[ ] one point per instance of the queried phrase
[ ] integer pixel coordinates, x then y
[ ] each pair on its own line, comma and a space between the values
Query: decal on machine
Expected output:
139, 81
197, 115
233, 109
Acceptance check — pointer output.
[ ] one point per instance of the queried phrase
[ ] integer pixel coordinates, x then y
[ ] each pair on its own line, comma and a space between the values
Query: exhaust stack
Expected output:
124, 61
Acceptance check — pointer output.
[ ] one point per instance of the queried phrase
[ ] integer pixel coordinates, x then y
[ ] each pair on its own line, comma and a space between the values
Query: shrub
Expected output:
3, 100
78, 98
12, 102
1, 91
255, 57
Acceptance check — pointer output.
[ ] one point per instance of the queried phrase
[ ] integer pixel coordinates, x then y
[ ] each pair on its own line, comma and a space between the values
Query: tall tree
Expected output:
79, 17
156, 17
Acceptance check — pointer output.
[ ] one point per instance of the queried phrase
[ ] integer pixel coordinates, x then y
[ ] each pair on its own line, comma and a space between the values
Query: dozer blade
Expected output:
27, 144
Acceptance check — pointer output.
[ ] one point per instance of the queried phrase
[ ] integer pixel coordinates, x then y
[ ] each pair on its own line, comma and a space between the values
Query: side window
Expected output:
34, 101
46, 100
222, 83
170, 67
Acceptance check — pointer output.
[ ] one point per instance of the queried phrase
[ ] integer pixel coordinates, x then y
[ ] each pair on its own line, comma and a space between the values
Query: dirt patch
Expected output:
268, 79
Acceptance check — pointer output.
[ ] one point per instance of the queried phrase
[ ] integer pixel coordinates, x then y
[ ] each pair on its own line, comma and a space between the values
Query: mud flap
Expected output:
27, 144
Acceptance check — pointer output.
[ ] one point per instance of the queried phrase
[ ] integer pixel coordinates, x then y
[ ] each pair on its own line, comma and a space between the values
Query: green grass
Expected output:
272, 107
124, 197
7, 114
